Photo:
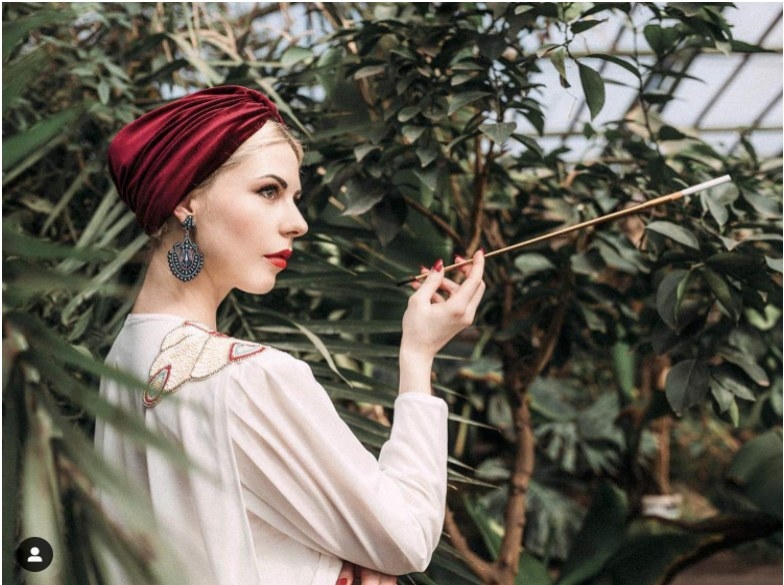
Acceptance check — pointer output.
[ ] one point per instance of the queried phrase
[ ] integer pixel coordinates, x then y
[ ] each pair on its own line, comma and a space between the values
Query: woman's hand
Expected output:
437, 311
348, 572
441, 308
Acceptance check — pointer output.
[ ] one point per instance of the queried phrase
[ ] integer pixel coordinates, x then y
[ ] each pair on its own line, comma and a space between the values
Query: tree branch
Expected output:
434, 219
518, 378
480, 189
480, 567
514, 514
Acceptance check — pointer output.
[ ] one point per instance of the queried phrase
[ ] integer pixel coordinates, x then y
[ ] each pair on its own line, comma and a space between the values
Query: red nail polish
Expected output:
439, 265
342, 581
482, 250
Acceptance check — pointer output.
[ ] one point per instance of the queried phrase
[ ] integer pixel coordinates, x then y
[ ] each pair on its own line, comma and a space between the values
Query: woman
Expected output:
288, 492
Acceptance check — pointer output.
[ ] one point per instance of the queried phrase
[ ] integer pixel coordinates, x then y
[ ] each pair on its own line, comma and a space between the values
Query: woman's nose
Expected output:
296, 225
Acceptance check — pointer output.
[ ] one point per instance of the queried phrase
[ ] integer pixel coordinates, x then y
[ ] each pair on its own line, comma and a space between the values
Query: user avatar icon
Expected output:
34, 558
34, 554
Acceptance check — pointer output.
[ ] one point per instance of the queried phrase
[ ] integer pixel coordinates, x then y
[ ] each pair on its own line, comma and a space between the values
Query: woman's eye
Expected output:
269, 191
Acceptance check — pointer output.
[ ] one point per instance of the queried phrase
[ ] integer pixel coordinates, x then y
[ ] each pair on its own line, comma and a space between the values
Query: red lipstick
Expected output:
279, 259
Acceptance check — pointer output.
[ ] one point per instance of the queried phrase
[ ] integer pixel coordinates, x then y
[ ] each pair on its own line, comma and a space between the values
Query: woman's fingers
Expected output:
429, 286
436, 281
370, 577
473, 282
346, 575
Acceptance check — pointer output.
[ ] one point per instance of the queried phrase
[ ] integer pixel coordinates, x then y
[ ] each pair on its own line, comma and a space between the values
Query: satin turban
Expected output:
156, 160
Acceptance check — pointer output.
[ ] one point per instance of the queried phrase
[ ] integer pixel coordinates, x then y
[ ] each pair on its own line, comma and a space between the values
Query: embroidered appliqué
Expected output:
192, 352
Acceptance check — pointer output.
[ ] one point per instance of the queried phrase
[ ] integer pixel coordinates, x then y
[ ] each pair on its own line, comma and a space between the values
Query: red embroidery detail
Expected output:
198, 356
240, 350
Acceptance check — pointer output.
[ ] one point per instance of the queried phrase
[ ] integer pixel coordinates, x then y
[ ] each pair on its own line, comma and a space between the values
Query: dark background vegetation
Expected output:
642, 357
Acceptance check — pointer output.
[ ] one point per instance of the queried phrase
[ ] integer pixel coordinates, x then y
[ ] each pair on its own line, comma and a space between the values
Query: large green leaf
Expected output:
646, 557
725, 294
593, 88
667, 301
674, 232
499, 132
757, 470
463, 99
601, 536
687, 384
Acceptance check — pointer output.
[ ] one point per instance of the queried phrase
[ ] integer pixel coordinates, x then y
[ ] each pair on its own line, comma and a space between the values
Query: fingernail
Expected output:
342, 581
458, 259
439, 265
424, 269
482, 250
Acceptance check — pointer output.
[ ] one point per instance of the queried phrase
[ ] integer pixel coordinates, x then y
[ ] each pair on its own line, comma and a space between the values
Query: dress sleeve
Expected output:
307, 475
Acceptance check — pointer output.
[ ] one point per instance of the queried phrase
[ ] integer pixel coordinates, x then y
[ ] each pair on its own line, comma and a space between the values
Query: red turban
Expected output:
157, 160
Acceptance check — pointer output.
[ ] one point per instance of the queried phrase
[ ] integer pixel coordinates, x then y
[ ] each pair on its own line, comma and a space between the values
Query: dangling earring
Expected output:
185, 260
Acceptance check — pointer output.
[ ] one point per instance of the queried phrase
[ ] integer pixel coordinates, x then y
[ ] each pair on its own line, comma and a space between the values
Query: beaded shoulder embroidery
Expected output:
192, 352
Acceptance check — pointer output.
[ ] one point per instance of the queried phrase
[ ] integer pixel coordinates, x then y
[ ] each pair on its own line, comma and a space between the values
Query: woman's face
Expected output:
247, 219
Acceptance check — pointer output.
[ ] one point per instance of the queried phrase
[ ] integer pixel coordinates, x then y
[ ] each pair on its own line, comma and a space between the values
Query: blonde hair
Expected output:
279, 134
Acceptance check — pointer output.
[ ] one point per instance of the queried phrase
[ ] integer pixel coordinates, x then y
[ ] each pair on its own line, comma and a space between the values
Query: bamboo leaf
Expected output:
14, 32
88, 399
319, 345
22, 245
99, 281
24, 145
21, 72
47, 341
40, 516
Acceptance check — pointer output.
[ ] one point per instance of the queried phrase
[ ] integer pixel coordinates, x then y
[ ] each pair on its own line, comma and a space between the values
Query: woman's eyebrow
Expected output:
282, 182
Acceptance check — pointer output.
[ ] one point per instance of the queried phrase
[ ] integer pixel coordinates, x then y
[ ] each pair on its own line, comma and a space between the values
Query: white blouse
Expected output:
281, 491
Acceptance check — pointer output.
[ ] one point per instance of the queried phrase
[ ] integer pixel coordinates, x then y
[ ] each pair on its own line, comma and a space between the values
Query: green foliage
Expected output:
421, 124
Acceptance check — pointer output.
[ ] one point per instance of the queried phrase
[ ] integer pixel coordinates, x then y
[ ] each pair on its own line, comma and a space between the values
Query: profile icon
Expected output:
34, 554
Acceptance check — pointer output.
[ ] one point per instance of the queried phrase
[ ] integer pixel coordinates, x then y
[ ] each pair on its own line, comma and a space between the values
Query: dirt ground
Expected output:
728, 568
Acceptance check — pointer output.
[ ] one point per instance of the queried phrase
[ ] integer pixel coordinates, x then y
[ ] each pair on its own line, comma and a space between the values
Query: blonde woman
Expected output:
289, 496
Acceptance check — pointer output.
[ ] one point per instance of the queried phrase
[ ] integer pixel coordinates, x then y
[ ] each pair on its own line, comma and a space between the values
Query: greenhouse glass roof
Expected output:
723, 95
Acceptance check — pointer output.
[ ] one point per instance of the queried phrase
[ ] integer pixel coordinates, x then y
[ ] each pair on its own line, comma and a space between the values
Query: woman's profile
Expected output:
290, 494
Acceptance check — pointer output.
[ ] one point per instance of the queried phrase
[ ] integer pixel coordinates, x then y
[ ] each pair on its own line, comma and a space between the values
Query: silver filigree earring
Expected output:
185, 260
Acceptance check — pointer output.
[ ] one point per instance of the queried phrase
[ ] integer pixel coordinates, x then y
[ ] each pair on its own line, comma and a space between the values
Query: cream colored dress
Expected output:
289, 491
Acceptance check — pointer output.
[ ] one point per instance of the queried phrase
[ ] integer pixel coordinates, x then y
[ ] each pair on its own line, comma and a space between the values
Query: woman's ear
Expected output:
184, 209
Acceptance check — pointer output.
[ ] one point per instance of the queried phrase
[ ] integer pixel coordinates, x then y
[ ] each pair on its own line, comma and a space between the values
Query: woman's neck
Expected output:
162, 292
